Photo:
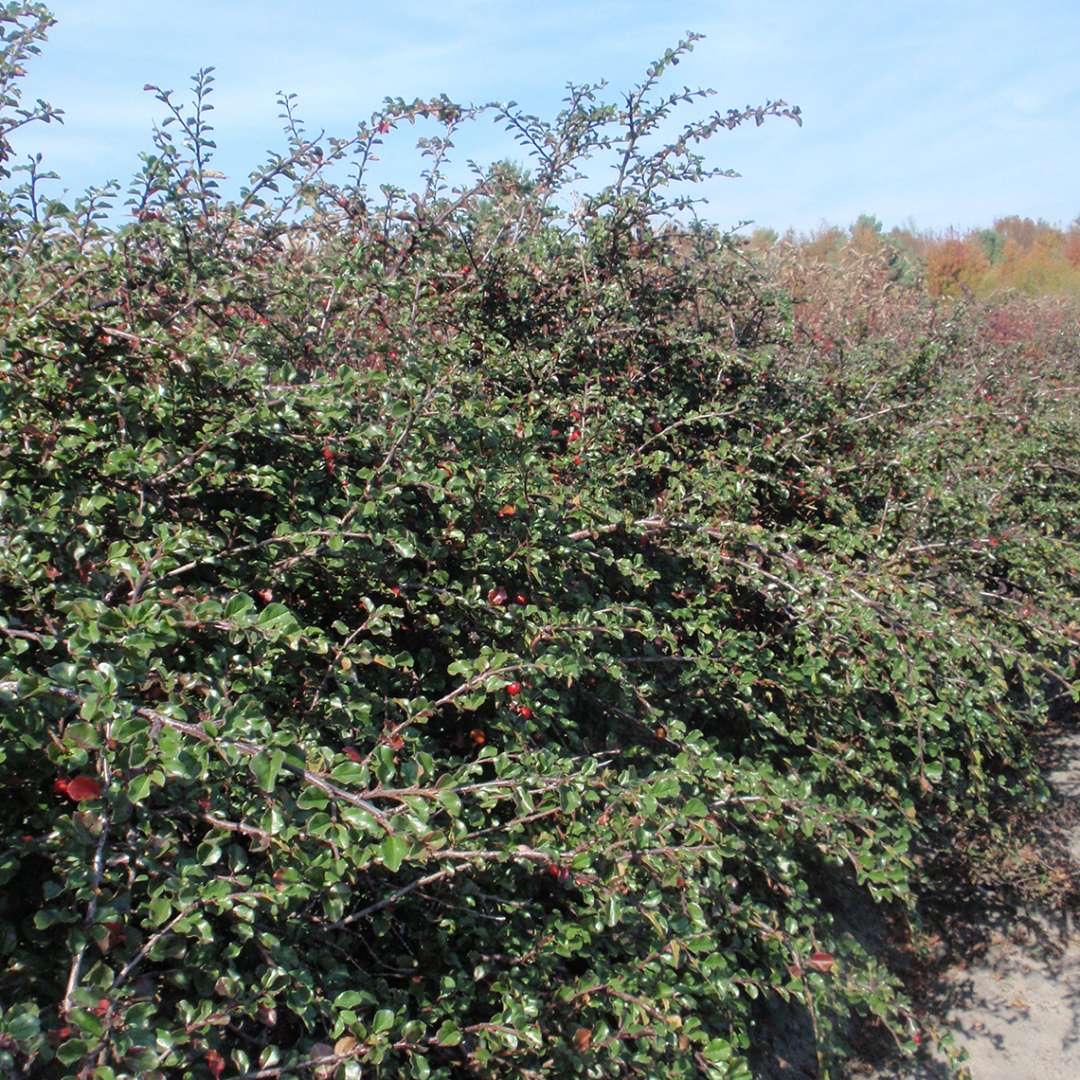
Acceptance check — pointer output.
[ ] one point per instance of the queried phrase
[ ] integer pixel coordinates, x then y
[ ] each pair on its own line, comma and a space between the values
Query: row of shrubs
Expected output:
492, 631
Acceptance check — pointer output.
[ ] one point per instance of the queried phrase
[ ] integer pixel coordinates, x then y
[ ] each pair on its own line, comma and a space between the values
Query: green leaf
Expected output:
266, 765
21, 1025
717, 1050
382, 1021
449, 1034
393, 851
139, 788
238, 605
159, 911
347, 999
71, 1051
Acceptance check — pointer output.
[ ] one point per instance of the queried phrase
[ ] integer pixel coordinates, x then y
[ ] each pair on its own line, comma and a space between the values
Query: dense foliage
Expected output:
482, 632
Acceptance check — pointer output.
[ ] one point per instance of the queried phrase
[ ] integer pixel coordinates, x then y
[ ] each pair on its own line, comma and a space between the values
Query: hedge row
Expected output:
483, 633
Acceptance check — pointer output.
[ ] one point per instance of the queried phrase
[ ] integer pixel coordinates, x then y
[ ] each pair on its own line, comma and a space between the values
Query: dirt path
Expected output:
1016, 1008
1012, 999
1005, 985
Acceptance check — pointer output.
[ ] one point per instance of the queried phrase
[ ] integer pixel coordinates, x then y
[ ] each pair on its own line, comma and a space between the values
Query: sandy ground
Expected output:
1006, 983
1016, 1009
1014, 1004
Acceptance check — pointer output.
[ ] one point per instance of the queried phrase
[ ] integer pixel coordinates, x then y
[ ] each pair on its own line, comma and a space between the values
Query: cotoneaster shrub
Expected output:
474, 634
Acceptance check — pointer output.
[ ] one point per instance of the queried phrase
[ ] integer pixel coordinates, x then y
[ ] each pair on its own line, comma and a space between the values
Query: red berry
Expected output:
573, 436
521, 598
525, 712
513, 689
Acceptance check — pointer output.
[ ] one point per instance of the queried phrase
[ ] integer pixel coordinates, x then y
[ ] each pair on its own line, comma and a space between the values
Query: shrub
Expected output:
469, 633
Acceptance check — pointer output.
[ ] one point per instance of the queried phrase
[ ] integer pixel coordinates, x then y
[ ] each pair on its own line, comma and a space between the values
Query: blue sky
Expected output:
946, 113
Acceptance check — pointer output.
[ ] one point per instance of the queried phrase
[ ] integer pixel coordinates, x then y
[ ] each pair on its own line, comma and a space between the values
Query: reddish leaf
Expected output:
821, 961
83, 788
215, 1063
114, 935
